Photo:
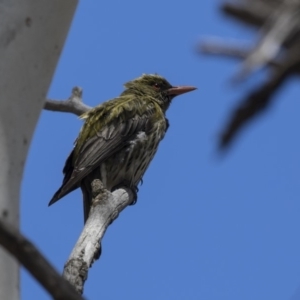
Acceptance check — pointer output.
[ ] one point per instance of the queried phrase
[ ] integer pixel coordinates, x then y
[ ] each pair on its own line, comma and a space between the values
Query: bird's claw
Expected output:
134, 190
135, 197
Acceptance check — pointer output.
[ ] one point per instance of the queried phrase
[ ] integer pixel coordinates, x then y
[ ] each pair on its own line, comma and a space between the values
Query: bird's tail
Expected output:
55, 197
63, 191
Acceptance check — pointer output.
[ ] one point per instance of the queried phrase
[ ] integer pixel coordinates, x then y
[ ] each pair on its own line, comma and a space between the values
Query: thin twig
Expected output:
72, 105
30, 257
216, 46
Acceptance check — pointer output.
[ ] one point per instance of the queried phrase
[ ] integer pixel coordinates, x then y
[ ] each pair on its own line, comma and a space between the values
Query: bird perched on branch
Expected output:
119, 138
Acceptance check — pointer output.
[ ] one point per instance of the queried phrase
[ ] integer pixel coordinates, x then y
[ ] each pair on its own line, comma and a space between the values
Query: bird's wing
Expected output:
105, 142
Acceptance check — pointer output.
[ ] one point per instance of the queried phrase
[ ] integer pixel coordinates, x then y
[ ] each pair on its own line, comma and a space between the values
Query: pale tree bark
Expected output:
36, 264
32, 33
105, 208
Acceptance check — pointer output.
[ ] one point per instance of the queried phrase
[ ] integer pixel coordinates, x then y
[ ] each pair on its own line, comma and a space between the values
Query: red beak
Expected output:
178, 90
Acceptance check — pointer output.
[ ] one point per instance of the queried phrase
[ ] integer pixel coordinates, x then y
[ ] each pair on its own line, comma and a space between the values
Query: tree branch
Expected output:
278, 47
221, 48
254, 14
216, 46
106, 207
30, 257
282, 23
261, 98
73, 105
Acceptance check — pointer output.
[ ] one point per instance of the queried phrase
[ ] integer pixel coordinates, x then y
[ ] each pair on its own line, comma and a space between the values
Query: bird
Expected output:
119, 138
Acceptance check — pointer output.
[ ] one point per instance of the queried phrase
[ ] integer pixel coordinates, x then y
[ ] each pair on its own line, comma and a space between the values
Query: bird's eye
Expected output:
156, 86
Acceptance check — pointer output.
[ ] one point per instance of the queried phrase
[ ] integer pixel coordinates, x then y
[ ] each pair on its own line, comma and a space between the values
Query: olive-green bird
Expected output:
119, 138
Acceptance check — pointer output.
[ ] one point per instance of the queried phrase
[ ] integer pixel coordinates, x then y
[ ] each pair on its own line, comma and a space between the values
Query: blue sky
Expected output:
206, 226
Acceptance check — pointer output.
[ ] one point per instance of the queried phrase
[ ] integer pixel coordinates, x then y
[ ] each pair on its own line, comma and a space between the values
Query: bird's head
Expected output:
157, 87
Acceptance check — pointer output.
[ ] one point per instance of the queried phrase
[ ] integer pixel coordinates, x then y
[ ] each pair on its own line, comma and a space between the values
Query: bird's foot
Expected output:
135, 197
134, 190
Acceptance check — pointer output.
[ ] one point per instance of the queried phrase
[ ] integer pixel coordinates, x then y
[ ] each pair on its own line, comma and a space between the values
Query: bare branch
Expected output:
106, 207
282, 23
30, 257
254, 14
260, 98
216, 46
278, 47
73, 105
